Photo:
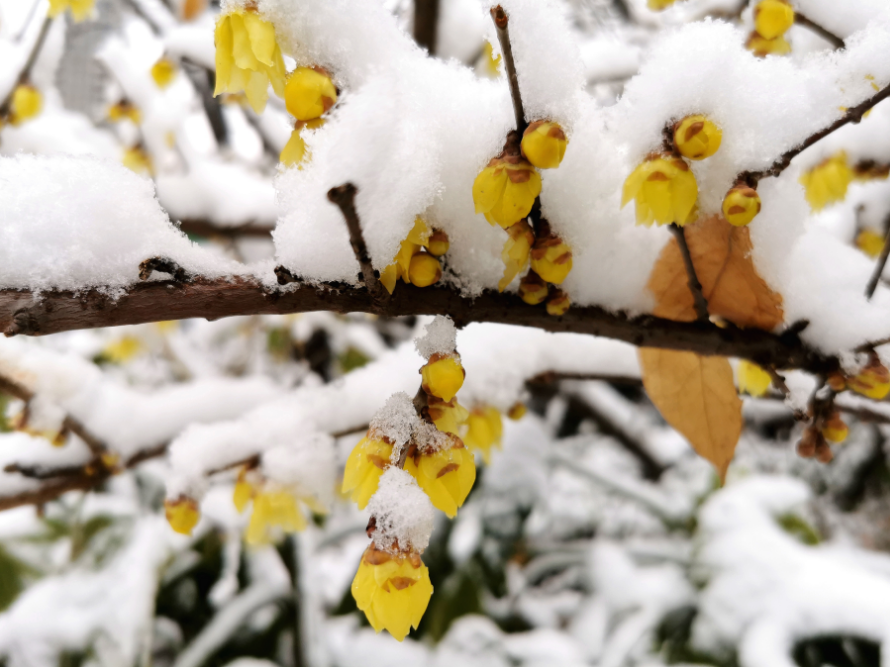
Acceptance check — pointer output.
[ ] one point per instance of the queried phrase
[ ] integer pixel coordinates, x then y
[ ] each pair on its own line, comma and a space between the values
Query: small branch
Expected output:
852, 115
701, 304
879, 269
210, 230
25, 74
501, 21
549, 377
828, 36
426, 22
344, 197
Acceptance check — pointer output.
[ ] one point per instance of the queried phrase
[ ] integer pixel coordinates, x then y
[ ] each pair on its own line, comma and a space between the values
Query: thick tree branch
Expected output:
501, 22
426, 22
828, 36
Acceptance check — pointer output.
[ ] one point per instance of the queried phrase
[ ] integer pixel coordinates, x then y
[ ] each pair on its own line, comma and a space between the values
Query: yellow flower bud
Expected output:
515, 254
124, 111
27, 102
772, 18
517, 412
753, 379
697, 137
551, 259
438, 243
761, 46
242, 494
163, 72
506, 189
136, 159
273, 512
443, 376
248, 57
665, 190
448, 416
123, 349
182, 514
533, 289
834, 429
827, 182
558, 303
544, 144
446, 475
659, 5
485, 430
363, 469
872, 381
424, 270
392, 590
309, 93
741, 205
80, 9
870, 242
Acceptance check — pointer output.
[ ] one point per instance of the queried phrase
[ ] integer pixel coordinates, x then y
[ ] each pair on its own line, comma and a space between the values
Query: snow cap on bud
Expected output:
834, 429
506, 189
182, 514
697, 137
664, 188
544, 144
827, 182
761, 46
309, 93
558, 303
533, 289
551, 258
741, 205
163, 72
515, 254
443, 376
438, 243
424, 270
773, 18
27, 102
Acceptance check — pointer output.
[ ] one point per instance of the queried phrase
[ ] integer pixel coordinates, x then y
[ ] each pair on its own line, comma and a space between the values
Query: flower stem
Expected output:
501, 21
701, 304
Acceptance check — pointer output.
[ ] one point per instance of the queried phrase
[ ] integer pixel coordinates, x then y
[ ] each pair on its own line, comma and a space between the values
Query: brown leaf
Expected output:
697, 396
721, 255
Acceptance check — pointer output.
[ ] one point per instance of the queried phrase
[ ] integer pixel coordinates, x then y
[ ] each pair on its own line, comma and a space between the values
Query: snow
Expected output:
403, 513
440, 338
306, 465
396, 421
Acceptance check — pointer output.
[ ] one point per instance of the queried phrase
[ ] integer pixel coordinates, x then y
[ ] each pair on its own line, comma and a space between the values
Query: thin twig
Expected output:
852, 115
827, 35
501, 23
879, 268
701, 304
426, 22
344, 197
25, 74
209, 229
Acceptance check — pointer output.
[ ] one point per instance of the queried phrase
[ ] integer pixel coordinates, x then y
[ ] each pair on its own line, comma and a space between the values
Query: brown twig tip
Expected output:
344, 198
500, 17
501, 21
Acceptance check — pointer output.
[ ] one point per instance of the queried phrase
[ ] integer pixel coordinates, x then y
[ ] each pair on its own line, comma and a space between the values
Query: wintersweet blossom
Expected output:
485, 430
363, 469
741, 205
533, 289
551, 258
506, 189
544, 144
448, 416
665, 190
443, 376
516, 252
773, 18
446, 475
163, 72
835, 429
294, 152
697, 137
27, 103
309, 93
753, 379
761, 47
182, 514
827, 182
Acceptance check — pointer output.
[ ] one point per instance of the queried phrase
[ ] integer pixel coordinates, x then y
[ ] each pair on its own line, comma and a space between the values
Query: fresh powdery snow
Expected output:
403, 512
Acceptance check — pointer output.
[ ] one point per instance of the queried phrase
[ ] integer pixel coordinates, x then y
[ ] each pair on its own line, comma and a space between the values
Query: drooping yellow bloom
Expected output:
136, 159
124, 111
827, 182
123, 349
516, 252
665, 190
773, 18
872, 381
448, 416
27, 102
753, 379
163, 72
182, 514
273, 512
417, 238
438, 243
80, 9
870, 242
835, 429
392, 590
558, 303
485, 431
697, 137
309, 93
741, 205
365, 465
761, 46
442, 376
659, 5
446, 475
294, 152
248, 57
551, 259
506, 189
533, 289
544, 144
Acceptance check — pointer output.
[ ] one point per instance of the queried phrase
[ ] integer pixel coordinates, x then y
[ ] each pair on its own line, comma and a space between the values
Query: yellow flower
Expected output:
448, 416
870, 242
309, 93
741, 205
834, 429
761, 46
182, 514
363, 469
124, 111
443, 376
772, 18
506, 189
753, 379
393, 591
485, 431
544, 144
424, 270
551, 259
80, 9
417, 238
389, 277
27, 102
558, 303
163, 72
248, 57
491, 65
123, 349
664, 189
517, 412
273, 511
697, 137
446, 475
294, 151
827, 182
136, 159
532, 289
516, 252
438, 243
659, 5
872, 381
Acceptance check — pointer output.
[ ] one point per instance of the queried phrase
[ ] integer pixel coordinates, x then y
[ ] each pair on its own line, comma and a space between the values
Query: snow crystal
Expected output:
396, 420
403, 512
440, 338
429, 438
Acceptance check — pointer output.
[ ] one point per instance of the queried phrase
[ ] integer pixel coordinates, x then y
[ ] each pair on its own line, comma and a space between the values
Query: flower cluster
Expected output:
772, 19
275, 508
417, 261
